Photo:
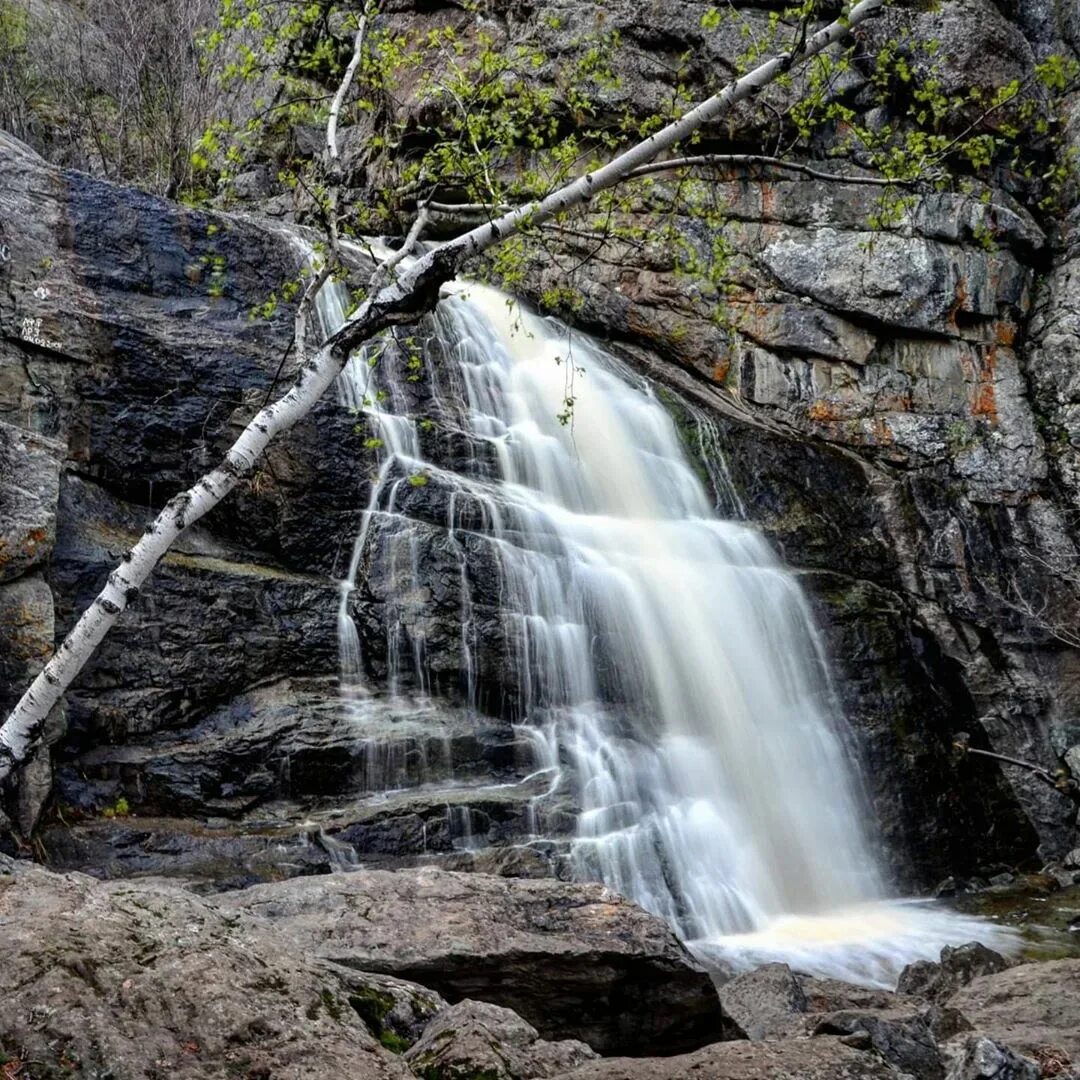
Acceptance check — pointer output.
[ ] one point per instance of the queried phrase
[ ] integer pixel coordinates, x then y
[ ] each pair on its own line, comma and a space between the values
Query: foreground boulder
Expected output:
395, 1011
902, 1037
786, 1059
985, 1059
134, 982
1034, 1008
765, 1003
477, 1039
957, 967
574, 960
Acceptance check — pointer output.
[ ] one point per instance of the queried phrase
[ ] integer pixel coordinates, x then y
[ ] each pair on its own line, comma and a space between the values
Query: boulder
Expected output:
832, 995
985, 1059
133, 981
396, 1011
768, 1002
957, 967
1035, 1008
788, 1059
575, 961
900, 1036
477, 1039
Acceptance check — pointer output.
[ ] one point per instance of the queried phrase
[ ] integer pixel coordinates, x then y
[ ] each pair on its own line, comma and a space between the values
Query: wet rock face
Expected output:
882, 401
897, 412
128, 360
939, 538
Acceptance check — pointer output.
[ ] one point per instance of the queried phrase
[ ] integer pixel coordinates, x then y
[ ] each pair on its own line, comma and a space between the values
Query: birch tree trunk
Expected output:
400, 300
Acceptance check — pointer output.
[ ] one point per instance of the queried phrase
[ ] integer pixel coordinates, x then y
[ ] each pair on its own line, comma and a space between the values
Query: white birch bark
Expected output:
398, 301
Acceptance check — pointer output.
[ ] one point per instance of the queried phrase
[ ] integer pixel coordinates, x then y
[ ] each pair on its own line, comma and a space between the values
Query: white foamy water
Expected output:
669, 662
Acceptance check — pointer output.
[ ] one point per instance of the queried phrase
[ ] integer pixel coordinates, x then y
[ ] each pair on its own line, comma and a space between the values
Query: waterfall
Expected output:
667, 665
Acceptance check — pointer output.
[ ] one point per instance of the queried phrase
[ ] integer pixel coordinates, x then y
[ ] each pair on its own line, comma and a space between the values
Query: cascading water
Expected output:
667, 665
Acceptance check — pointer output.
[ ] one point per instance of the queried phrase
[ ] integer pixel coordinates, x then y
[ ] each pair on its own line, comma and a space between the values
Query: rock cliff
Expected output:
896, 409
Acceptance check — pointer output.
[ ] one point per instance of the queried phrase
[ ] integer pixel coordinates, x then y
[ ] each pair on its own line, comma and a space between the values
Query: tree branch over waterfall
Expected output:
400, 299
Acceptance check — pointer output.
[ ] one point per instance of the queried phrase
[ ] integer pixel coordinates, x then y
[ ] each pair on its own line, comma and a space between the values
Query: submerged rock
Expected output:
575, 961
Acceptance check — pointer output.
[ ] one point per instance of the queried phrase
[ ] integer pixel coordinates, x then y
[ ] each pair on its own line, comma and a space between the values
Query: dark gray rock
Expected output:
298, 739
211, 621
985, 1059
575, 961
475, 1038
902, 423
204, 857
901, 1037
958, 966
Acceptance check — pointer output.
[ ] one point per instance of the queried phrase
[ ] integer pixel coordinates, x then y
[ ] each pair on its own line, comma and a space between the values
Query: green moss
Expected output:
394, 1042
331, 1004
372, 1007
120, 809
687, 429
436, 1071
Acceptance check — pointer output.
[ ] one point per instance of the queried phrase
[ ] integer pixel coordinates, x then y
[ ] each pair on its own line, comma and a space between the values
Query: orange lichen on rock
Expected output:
826, 412
1004, 333
958, 304
984, 401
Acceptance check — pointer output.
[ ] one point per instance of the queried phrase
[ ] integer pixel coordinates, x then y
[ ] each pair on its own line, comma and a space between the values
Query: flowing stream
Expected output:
669, 665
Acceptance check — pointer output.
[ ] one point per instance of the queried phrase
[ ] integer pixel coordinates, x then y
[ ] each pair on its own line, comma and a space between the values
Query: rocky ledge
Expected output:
446, 976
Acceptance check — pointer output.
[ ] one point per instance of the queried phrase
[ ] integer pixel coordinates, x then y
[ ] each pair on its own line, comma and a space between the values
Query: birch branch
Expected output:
399, 301
305, 308
332, 152
386, 269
